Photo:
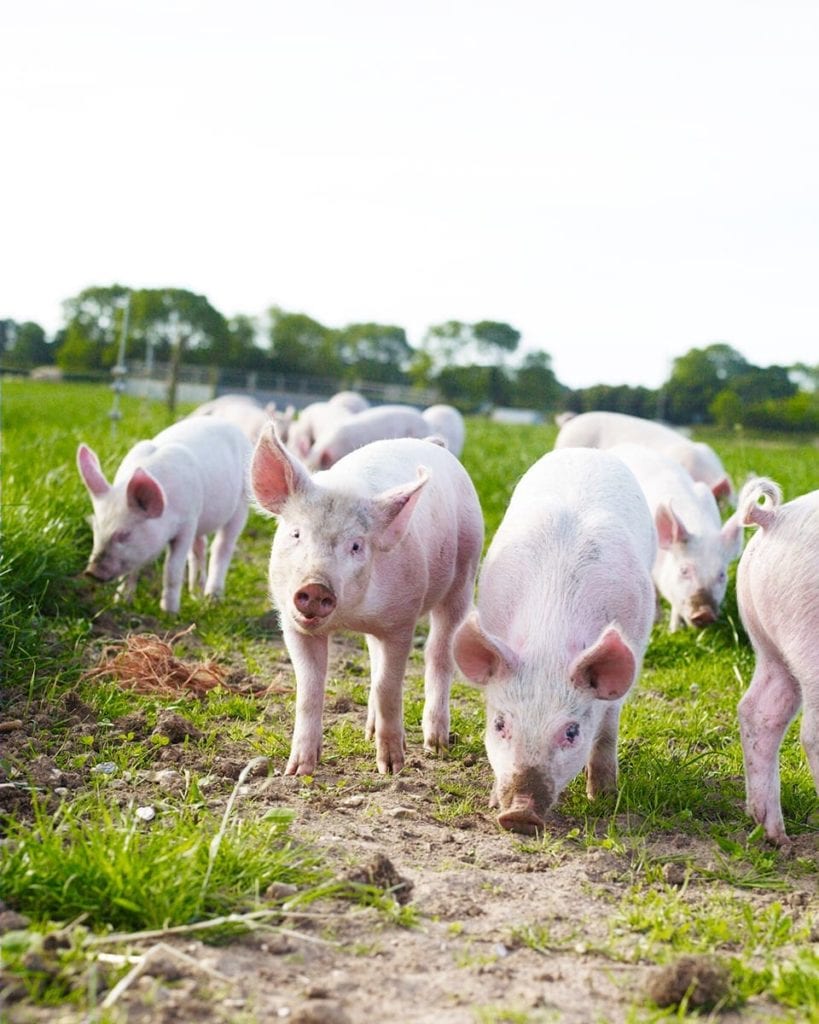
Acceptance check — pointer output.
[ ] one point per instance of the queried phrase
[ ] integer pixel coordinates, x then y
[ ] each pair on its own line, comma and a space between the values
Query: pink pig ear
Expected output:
393, 510
607, 669
482, 658
722, 489
274, 473
89, 466
145, 493
670, 528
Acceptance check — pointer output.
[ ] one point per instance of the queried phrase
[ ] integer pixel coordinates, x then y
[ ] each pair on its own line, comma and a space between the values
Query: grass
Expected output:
680, 759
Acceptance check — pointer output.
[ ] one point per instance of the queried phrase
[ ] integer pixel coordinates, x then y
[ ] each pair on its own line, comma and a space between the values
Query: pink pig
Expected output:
778, 599
564, 613
381, 422
170, 492
390, 533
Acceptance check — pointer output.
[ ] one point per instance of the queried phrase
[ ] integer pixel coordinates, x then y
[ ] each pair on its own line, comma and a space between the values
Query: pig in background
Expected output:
382, 422
247, 414
564, 612
170, 492
606, 429
695, 548
392, 532
319, 417
447, 423
778, 600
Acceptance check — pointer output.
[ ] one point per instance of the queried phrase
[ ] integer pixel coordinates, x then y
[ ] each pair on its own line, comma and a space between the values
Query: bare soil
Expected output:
473, 887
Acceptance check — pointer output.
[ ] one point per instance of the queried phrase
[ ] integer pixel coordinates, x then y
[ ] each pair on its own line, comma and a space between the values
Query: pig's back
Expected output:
605, 429
777, 585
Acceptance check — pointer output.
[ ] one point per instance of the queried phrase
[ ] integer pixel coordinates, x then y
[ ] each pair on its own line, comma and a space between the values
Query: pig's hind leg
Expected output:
439, 668
766, 710
221, 551
196, 564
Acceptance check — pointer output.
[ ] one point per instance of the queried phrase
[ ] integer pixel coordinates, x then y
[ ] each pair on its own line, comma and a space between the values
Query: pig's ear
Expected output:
670, 528
393, 511
145, 493
722, 489
482, 658
89, 466
274, 473
607, 669
732, 536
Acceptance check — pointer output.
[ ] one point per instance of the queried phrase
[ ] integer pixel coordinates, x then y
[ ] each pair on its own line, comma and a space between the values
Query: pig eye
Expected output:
295, 533
685, 572
356, 547
572, 731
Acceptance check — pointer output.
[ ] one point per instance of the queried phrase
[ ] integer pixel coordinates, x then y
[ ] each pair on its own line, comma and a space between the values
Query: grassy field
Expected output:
79, 863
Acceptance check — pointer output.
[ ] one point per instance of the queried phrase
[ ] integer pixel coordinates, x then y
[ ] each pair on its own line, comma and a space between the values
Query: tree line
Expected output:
471, 366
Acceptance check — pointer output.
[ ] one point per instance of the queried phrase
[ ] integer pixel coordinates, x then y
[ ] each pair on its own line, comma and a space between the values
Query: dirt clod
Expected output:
704, 981
175, 727
380, 872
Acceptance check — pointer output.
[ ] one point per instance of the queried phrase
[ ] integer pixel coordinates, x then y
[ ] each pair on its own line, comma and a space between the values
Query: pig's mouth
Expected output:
701, 613
100, 573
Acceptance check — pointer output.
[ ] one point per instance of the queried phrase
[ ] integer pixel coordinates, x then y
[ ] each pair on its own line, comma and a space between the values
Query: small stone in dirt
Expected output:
11, 921
104, 768
381, 873
673, 873
401, 812
319, 1011
279, 891
166, 967
145, 813
169, 780
354, 801
705, 982
175, 727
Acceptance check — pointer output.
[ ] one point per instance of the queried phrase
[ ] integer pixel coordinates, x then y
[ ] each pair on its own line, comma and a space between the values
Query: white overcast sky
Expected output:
621, 181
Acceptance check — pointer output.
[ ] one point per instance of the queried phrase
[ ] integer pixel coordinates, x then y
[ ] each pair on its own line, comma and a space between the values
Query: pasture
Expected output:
155, 864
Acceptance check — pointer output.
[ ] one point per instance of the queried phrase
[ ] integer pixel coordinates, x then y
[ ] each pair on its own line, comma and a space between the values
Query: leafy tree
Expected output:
697, 378
375, 352
536, 386
457, 343
24, 345
93, 320
300, 344
726, 409
623, 398
244, 351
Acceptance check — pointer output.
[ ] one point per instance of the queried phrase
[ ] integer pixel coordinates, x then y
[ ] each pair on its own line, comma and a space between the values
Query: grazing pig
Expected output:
170, 492
695, 548
446, 422
380, 423
564, 612
606, 429
390, 533
352, 401
778, 599
313, 420
242, 410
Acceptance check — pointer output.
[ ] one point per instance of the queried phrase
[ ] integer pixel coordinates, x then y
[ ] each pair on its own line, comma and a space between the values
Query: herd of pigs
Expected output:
379, 524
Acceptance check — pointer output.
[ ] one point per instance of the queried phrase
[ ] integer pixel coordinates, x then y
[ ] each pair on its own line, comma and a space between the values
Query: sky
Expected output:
621, 182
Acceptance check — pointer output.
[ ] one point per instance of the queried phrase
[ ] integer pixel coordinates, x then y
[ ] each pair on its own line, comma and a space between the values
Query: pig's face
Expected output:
691, 570
321, 559
536, 746
543, 712
124, 539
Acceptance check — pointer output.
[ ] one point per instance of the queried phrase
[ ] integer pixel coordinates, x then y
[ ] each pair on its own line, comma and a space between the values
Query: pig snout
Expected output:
524, 801
314, 602
703, 611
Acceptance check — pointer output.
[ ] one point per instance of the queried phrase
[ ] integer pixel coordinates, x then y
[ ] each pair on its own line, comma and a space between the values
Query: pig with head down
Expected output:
170, 493
564, 612
390, 533
695, 548
381, 422
778, 600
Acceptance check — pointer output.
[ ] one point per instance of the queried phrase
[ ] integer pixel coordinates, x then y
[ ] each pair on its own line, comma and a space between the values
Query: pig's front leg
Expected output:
173, 573
126, 588
766, 710
309, 657
385, 716
601, 768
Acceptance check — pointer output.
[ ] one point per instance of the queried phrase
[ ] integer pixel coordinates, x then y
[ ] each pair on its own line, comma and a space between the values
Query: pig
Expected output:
778, 600
242, 410
382, 422
606, 429
313, 420
391, 532
281, 417
446, 422
170, 492
563, 616
695, 548
352, 401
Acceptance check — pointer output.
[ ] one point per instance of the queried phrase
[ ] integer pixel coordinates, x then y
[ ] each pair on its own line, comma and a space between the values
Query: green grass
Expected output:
680, 758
